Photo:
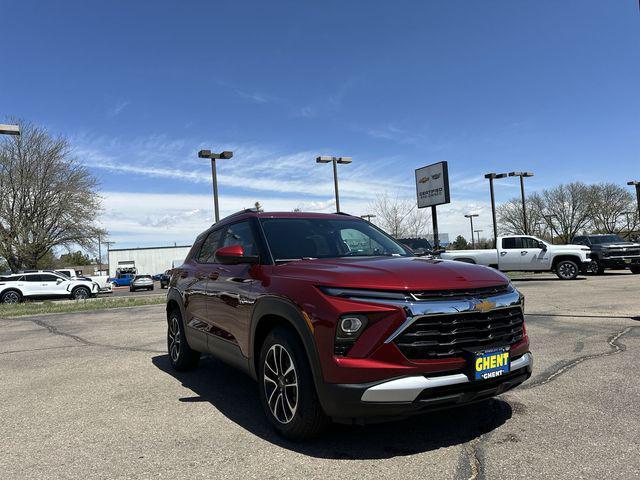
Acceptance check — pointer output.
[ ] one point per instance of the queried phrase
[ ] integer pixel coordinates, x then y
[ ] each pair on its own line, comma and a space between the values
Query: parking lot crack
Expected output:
83, 341
551, 374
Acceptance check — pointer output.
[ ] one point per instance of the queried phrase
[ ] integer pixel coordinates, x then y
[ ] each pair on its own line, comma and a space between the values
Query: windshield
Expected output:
606, 239
302, 238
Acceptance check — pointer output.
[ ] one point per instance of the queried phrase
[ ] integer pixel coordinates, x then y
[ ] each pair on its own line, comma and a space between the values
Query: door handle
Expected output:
214, 276
502, 254
523, 252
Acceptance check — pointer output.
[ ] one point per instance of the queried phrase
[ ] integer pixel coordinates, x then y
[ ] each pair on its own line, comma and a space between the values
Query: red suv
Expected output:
338, 321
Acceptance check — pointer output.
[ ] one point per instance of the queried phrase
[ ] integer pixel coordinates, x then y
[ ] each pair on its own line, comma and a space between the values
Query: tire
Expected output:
181, 355
80, 293
131, 289
289, 400
635, 270
567, 270
11, 296
151, 289
592, 268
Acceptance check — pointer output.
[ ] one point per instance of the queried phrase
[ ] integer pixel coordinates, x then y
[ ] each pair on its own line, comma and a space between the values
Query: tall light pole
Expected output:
9, 129
214, 157
492, 177
636, 184
478, 233
470, 217
522, 176
335, 161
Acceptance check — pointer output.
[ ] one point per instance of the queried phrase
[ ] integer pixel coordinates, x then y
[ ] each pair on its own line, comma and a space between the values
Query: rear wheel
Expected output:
80, 293
635, 269
592, 267
567, 270
181, 356
12, 296
287, 390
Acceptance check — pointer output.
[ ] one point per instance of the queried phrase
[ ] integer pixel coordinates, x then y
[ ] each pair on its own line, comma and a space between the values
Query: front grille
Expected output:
443, 336
626, 253
471, 292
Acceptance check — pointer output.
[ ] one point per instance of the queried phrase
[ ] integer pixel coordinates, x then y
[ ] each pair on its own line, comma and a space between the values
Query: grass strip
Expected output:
43, 308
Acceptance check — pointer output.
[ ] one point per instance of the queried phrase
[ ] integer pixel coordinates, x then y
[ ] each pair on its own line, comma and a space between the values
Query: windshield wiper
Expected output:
285, 260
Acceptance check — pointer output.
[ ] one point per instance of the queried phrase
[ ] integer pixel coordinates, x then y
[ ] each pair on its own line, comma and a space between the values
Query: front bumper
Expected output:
363, 403
619, 262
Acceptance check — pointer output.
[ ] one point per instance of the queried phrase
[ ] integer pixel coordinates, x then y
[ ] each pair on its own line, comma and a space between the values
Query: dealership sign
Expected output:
432, 185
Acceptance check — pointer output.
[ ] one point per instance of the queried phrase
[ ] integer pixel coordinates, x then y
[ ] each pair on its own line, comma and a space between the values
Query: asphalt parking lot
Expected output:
91, 395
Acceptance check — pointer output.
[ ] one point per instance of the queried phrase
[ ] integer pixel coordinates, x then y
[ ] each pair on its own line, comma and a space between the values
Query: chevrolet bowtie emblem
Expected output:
484, 306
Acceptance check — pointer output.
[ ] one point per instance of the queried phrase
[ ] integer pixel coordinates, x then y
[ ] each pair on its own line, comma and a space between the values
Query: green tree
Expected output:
73, 259
460, 243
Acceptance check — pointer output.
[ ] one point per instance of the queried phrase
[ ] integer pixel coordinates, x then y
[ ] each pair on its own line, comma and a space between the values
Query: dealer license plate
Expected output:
491, 363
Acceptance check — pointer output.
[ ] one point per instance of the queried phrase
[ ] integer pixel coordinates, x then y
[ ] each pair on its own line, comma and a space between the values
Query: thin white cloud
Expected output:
116, 109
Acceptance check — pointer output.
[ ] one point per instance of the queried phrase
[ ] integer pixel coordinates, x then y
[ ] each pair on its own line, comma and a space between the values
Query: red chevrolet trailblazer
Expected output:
338, 321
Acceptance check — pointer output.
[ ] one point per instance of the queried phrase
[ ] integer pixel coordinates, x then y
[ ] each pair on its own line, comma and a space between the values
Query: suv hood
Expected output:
391, 273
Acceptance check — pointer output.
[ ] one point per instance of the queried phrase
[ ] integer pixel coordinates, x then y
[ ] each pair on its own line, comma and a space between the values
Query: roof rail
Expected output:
240, 212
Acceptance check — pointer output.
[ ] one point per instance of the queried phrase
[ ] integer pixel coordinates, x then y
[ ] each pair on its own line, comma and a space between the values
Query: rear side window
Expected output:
209, 247
32, 278
48, 278
510, 243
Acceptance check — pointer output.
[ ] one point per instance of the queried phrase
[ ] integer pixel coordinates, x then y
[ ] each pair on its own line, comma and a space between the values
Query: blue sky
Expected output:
140, 87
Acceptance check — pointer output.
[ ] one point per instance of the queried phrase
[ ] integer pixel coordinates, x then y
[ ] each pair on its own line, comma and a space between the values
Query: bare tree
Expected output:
611, 205
47, 198
510, 219
400, 218
566, 208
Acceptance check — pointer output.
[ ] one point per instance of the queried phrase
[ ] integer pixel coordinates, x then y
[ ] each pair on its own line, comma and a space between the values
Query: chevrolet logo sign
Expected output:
484, 306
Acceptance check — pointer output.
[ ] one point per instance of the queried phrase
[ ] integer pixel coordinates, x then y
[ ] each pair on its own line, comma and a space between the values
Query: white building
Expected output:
148, 260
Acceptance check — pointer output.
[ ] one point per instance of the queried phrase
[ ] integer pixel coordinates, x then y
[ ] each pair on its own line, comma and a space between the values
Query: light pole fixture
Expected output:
470, 217
636, 184
492, 177
6, 129
522, 176
335, 161
215, 156
478, 233
368, 217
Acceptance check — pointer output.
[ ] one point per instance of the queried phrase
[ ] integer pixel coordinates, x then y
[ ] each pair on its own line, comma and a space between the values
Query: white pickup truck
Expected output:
527, 253
104, 285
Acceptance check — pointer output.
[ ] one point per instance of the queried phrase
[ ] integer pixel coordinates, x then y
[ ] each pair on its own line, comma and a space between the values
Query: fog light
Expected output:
350, 324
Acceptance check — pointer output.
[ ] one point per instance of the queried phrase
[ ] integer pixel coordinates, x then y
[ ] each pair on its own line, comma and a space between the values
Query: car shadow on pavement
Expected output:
235, 395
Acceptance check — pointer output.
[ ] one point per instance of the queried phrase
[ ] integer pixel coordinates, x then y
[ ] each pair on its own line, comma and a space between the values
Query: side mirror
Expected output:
542, 245
59, 281
234, 255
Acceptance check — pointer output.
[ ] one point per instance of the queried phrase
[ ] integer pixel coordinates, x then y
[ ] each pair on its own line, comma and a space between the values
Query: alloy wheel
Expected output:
11, 297
567, 270
174, 339
280, 384
592, 267
80, 294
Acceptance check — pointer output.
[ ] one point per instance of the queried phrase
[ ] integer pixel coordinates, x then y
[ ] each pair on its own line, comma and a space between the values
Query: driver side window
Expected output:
528, 242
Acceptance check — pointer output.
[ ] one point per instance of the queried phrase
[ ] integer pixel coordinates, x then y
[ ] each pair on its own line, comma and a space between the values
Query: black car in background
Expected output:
610, 251
165, 278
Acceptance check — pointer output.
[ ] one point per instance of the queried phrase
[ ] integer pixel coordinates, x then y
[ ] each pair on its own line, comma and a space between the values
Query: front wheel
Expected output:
80, 293
181, 356
592, 267
287, 390
567, 270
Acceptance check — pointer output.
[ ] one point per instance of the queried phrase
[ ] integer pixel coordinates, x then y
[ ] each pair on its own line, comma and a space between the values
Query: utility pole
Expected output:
636, 184
470, 217
492, 177
215, 156
335, 161
108, 244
